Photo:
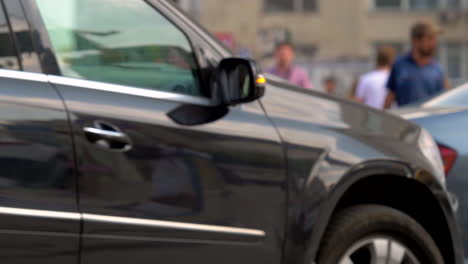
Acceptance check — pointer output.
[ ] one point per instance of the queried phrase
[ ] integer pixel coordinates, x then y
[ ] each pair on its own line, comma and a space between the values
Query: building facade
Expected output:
332, 35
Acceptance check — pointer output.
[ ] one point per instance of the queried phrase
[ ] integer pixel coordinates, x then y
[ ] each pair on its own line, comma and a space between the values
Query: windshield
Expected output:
455, 97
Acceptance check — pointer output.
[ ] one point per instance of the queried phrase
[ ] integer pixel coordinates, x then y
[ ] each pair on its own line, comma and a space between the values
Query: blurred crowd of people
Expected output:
395, 82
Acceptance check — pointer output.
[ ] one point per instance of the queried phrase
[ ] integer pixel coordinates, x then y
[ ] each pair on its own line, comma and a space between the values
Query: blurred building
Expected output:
193, 7
336, 36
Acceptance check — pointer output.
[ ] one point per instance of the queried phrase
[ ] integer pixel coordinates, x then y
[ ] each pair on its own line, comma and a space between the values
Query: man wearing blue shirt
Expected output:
416, 75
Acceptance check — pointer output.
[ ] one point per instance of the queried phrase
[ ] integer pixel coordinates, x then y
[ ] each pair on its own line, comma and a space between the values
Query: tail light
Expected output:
449, 156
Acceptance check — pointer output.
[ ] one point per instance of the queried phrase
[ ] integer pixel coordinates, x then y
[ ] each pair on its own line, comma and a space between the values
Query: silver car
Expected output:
446, 118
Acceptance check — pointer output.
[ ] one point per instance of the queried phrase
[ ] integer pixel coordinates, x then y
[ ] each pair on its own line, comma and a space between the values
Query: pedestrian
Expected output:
285, 68
372, 86
416, 76
330, 85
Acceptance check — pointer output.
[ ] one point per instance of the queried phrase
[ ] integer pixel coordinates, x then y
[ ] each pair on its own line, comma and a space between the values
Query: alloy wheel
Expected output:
379, 250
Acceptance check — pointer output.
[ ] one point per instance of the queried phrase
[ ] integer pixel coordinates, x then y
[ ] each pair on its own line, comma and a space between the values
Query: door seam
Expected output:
286, 171
75, 172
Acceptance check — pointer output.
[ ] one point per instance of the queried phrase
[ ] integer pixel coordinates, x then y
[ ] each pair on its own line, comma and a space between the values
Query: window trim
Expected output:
19, 4
37, 24
199, 78
130, 90
101, 86
49, 63
14, 41
194, 29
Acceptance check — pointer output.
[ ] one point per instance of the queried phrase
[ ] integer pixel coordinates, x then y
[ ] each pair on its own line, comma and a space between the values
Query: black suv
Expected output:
129, 135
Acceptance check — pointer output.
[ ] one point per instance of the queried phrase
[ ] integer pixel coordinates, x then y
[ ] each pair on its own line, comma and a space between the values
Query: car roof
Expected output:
454, 97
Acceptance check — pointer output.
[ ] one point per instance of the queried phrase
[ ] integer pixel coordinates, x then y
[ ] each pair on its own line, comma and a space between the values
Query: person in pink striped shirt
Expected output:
285, 68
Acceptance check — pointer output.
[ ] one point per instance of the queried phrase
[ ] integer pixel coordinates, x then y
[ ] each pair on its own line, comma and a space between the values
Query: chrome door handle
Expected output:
108, 137
112, 135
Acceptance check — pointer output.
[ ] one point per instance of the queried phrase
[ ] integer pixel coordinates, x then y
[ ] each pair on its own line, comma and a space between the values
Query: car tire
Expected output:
363, 233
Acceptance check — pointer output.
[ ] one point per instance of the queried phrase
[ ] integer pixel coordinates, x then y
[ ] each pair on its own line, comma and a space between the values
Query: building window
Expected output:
305, 53
290, 5
388, 4
423, 4
417, 5
454, 4
453, 57
454, 62
279, 5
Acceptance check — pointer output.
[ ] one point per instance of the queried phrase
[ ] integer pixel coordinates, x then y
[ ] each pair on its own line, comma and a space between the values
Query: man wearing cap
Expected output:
416, 75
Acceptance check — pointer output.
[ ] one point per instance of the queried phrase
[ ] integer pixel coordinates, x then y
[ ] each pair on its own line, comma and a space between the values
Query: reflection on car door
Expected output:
152, 189
39, 221
178, 193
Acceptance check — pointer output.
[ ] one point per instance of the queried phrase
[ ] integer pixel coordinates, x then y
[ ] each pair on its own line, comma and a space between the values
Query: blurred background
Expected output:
335, 37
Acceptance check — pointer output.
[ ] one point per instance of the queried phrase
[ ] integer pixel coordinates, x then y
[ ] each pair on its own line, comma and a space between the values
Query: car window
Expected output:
8, 54
123, 42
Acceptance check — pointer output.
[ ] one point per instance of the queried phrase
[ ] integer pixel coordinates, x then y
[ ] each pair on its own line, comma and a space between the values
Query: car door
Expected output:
153, 188
39, 219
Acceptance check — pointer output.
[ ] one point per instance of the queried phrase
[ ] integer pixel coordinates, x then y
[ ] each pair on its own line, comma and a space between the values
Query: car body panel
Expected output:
180, 175
40, 222
332, 144
277, 166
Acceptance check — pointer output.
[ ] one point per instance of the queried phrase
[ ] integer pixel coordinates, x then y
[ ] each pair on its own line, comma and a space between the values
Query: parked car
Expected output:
130, 135
445, 117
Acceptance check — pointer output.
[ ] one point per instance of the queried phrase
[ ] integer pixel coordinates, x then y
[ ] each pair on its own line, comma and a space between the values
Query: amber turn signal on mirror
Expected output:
261, 80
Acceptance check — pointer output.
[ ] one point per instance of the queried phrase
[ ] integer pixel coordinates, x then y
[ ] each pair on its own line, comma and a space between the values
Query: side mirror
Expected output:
237, 81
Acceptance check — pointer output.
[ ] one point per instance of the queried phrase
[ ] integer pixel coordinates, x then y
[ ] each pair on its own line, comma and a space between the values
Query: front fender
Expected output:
314, 217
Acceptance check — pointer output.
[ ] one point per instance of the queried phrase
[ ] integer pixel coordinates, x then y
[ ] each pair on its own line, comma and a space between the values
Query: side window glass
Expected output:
8, 54
23, 37
123, 42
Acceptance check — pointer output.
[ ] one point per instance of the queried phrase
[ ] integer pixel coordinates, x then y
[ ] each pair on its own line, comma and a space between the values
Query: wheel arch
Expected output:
376, 182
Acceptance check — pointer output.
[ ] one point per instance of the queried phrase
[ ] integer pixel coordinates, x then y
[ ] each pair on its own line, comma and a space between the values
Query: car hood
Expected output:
347, 131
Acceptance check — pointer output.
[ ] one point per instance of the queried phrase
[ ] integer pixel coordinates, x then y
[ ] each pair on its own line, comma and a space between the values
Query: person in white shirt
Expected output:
372, 86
